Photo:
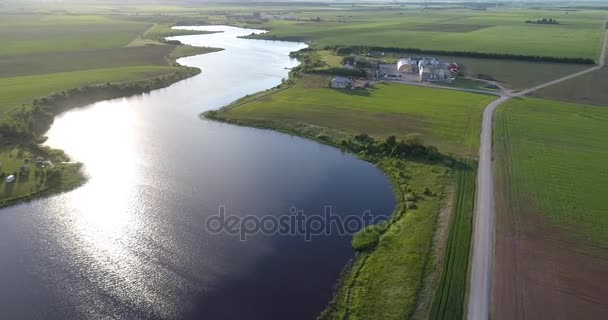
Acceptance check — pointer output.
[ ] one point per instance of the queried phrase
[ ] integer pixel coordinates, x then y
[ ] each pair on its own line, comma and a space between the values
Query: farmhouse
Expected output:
340, 82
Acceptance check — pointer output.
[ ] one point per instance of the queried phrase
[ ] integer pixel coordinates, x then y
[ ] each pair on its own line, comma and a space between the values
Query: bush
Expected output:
368, 237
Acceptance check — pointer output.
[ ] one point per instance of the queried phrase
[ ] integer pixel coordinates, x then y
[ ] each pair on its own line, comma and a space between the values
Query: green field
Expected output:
26, 34
447, 119
555, 154
579, 33
16, 91
589, 88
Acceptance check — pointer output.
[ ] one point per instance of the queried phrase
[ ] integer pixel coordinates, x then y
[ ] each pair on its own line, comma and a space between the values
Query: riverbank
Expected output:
397, 262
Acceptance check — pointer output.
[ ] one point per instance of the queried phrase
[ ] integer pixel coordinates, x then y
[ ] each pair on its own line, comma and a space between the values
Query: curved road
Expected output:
480, 290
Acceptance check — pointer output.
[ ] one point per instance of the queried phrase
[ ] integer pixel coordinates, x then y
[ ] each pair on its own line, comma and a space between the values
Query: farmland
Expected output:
587, 89
546, 142
551, 222
446, 119
454, 30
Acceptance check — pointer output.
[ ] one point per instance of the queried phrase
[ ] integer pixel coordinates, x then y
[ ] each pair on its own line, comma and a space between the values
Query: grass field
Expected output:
451, 291
447, 119
555, 154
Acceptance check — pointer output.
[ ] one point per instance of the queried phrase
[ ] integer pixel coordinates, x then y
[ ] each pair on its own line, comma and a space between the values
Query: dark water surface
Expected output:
131, 243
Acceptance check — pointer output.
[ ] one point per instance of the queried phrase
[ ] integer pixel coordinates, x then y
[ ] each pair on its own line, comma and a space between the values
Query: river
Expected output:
131, 243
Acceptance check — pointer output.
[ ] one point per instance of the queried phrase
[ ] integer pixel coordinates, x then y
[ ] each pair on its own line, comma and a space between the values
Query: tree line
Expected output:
543, 21
410, 148
346, 50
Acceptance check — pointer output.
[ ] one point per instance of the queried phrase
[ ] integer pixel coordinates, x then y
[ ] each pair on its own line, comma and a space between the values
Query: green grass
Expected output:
451, 291
385, 283
330, 59
15, 91
555, 154
447, 119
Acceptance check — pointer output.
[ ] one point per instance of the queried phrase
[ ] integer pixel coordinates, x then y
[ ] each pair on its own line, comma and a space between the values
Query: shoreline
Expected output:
44, 110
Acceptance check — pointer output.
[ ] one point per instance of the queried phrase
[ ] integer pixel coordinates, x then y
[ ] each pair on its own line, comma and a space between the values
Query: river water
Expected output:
131, 243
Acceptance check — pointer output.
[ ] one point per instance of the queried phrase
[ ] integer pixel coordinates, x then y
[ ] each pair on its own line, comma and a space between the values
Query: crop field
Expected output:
515, 74
52, 62
551, 227
16, 91
588, 89
579, 33
56, 33
557, 154
43, 54
447, 119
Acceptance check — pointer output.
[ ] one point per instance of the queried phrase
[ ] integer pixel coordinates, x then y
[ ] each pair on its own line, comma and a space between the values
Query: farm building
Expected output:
431, 69
407, 65
434, 73
340, 82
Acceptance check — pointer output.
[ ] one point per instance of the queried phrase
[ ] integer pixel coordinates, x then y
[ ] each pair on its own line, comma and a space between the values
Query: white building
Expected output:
406, 65
340, 82
10, 178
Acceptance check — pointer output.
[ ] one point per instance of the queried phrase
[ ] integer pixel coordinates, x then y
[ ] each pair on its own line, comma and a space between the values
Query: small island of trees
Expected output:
543, 21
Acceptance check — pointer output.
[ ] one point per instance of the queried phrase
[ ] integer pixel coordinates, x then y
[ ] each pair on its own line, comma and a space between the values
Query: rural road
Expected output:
480, 289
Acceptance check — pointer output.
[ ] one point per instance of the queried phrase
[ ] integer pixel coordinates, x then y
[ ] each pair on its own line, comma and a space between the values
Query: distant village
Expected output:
409, 69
